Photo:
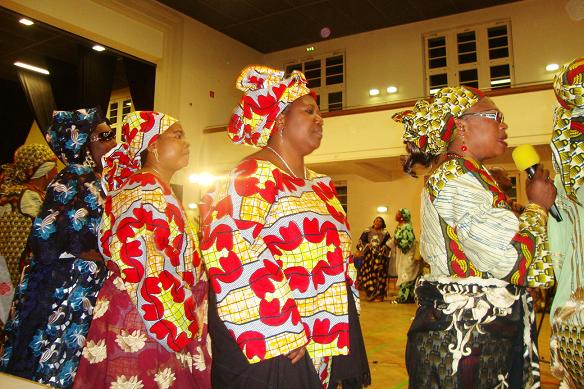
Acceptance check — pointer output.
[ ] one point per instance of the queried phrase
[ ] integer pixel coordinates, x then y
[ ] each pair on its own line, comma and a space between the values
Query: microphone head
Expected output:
525, 156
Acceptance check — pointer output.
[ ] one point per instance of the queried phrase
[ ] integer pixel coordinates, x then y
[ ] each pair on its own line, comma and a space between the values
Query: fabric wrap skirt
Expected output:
472, 336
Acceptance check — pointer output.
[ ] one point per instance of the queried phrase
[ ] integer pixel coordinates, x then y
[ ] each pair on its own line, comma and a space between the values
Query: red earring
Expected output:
463, 147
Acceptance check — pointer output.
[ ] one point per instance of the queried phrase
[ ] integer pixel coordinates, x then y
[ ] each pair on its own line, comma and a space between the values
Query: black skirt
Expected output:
231, 370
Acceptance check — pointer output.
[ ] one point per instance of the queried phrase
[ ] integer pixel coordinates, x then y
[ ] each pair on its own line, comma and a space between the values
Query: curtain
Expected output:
96, 72
15, 116
141, 77
37, 89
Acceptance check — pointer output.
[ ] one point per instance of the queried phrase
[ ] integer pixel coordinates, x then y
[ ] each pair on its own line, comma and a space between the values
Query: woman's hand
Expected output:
540, 189
296, 355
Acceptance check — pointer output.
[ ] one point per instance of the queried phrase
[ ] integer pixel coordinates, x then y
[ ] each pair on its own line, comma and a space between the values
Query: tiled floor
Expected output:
385, 326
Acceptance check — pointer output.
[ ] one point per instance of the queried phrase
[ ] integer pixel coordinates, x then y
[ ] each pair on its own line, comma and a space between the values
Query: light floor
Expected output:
385, 326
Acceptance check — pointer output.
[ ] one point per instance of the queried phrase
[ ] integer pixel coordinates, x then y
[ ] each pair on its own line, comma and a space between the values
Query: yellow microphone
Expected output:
526, 158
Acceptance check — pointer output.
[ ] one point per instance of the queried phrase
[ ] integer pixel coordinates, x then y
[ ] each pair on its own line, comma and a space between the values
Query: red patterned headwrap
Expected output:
140, 130
266, 95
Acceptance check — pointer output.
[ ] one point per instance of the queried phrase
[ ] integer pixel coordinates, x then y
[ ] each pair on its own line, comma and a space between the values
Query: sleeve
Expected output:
67, 223
254, 297
150, 246
363, 240
493, 238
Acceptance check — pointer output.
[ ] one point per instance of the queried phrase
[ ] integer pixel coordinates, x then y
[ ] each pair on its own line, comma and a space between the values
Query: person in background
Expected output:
566, 245
474, 327
374, 272
54, 302
283, 310
150, 320
502, 179
408, 265
22, 191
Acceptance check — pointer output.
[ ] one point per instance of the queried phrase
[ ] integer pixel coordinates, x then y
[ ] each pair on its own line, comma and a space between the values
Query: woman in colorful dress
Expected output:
408, 266
282, 307
54, 302
374, 272
566, 245
149, 328
474, 324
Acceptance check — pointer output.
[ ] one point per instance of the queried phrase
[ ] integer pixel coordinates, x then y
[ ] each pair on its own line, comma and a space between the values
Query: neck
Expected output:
291, 160
161, 173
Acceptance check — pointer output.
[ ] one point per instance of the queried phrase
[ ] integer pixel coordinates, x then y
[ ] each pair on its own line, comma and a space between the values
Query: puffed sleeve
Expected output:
254, 298
67, 223
493, 238
145, 234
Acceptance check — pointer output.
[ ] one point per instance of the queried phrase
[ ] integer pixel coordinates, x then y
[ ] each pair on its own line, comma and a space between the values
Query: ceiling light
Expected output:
501, 81
192, 206
203, 179
373, 92
128, 104
98, 48
310, 49
391, 89
552, 67
382, 209
31, 67
26, 22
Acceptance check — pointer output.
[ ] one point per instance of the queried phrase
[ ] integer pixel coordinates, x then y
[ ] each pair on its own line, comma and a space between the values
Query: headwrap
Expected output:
404, 233
403, 215
568, 136
140, 130
68, 134
430, 124
30, 161
266, 93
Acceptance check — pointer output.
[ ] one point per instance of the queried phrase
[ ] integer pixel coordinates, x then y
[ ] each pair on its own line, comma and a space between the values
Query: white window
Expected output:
117, 110
325, 76
479, 56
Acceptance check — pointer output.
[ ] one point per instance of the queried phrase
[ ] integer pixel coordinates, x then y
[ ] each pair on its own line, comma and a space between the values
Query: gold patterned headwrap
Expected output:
568, 137
430, 124
30, 158
266, 93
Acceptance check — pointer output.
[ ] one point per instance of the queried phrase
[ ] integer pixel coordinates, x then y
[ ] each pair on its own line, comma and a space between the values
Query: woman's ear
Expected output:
280, 122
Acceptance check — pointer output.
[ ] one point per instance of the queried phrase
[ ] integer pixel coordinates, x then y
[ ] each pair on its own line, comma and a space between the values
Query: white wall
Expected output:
542, 32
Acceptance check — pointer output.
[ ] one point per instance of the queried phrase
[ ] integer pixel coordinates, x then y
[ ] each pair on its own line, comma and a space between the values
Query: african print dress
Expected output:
149, 328
474, 327
374, 273
54, 302
277, 249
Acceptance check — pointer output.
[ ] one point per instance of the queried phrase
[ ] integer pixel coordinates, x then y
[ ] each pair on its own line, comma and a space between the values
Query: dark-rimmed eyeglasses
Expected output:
496, 116
103, 136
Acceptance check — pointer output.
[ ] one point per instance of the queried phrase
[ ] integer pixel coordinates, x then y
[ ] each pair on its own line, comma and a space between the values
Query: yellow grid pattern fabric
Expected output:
296, 272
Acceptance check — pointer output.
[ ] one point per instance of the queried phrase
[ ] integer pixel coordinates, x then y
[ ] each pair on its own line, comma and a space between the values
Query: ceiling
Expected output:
272, 25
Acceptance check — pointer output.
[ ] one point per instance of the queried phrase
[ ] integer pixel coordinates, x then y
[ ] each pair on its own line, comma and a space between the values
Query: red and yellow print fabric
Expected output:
145, 232
277, 249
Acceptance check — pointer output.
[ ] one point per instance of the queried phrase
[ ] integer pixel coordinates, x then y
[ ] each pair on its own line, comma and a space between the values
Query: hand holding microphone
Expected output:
540, 190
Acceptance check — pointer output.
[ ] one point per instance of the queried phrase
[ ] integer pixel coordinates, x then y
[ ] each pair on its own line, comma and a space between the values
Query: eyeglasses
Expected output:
103, 136
496, 116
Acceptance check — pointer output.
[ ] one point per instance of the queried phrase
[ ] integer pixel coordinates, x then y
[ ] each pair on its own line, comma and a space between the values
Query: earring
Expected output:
463, 148
282, 136
89, 162
155, 152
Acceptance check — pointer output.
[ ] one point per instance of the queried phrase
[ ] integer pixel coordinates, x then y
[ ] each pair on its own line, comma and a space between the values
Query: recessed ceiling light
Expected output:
192, 206
391, 89
26, 22
98, 48
373, 92
552, 67
31, 67
382, 209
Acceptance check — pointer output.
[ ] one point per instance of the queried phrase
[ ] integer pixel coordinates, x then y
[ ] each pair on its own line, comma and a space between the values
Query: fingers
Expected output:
296, 355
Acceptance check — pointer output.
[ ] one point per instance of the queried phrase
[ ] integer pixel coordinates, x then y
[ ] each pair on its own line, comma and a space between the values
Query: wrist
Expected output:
538, 209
